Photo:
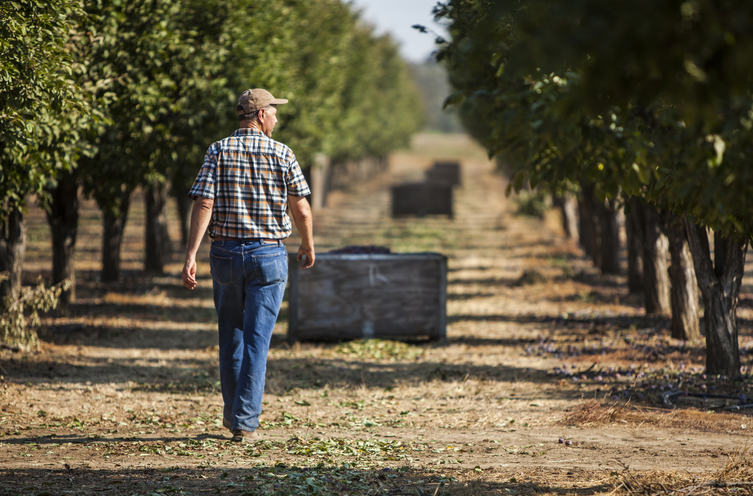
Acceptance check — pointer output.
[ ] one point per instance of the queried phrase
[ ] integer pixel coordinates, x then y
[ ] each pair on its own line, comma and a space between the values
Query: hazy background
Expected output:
395, 17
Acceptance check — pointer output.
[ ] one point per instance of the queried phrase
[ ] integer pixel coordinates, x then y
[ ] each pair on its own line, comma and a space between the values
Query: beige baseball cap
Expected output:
258, 98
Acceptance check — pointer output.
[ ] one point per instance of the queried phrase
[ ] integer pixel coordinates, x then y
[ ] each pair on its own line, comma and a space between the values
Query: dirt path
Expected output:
122, 397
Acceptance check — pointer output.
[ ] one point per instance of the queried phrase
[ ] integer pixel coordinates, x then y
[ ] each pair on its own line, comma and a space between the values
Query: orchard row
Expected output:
111, 95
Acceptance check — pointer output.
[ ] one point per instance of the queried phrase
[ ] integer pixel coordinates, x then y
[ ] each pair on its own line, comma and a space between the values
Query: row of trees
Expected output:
110, 95
643, 104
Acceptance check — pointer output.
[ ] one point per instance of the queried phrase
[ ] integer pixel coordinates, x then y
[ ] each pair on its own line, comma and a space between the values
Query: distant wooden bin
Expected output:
445, 172
422, 198
395, 296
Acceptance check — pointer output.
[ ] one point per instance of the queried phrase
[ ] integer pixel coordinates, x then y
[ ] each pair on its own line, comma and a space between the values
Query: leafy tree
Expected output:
381, 105
19, 319
44, 113
163, 69
350, 94
646, 98
198, 96
167, 74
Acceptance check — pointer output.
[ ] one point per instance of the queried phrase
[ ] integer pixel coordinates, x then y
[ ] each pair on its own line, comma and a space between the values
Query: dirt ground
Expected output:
552, 381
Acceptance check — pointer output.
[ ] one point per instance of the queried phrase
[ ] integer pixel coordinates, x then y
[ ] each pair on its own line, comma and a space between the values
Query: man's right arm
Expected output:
301, 212
201, 214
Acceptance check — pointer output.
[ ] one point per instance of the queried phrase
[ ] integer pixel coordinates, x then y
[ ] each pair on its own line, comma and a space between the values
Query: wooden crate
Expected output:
422, 198
445, 172
393, 296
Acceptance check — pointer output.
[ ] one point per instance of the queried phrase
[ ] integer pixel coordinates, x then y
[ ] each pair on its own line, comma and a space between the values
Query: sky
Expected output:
396, 18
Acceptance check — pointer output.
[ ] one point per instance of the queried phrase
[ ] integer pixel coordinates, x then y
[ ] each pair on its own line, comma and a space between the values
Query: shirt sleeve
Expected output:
204, 185
297, 185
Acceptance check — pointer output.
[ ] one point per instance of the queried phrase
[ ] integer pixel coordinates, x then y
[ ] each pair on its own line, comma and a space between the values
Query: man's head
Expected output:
257, 108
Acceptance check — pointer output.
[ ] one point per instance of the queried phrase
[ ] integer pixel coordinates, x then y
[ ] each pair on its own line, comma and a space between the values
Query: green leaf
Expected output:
454, 98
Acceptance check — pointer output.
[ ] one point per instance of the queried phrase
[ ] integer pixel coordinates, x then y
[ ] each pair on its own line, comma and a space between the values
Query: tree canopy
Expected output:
652, 101
166, 74
118, 94
45, 114
177, 66
648, 99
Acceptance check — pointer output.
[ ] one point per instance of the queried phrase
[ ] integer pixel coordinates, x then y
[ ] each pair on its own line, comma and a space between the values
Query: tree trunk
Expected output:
185, 204
590, 224
720, 253
12, 251
719, 283
158, 246
635, 233
114, 225
585, 230
569, 209
655, 271
63, 220
599, 222
610, 236
684, 291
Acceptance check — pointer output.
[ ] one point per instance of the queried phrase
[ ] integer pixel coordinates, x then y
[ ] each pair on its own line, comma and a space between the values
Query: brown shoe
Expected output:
240, 436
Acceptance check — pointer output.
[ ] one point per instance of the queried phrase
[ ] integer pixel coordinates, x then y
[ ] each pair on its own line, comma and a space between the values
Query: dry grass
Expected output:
736, 477
603, 413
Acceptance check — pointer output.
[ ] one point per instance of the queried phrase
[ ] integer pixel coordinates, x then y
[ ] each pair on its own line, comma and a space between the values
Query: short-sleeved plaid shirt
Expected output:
249, 176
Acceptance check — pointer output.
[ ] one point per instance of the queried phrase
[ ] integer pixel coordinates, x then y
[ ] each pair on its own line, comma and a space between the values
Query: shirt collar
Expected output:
248, 131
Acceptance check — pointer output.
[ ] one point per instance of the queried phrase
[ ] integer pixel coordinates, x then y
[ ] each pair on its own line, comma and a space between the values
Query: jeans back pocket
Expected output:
269, 269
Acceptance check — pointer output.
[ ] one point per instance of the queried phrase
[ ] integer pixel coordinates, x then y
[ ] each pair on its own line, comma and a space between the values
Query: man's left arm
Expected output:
301, 212
300, 209
201, 214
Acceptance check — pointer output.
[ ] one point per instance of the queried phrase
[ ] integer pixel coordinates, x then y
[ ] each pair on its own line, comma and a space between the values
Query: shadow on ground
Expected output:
284, 480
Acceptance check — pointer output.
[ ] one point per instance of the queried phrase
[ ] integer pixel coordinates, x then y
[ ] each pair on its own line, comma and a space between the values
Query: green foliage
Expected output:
648, 101
132, 93
44, 112
166, 75
160, 62
379, 349
20, 317
177, 67
282, 480
533, 203
692, 54
350, 94
381, 108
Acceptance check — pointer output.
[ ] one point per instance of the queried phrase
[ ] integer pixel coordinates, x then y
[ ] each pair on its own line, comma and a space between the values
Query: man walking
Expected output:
241, 194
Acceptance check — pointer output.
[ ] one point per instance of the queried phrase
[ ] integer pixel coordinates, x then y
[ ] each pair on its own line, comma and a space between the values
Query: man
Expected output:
241, 194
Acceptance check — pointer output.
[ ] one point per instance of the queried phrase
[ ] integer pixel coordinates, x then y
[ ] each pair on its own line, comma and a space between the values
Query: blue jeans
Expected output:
248, 280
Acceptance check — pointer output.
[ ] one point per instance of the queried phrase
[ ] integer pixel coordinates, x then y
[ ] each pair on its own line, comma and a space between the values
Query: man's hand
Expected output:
189, 274
201, 214
308, 252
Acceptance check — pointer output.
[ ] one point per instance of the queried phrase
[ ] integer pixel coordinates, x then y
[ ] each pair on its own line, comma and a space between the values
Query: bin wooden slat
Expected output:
369, 296
422, 198
445, 172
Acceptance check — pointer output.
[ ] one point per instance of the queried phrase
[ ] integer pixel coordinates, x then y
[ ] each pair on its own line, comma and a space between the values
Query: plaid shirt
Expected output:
249, 176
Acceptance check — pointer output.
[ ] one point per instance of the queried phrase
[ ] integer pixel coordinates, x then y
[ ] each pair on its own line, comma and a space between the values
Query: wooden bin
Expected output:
393, 296
423, 198
445, 172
